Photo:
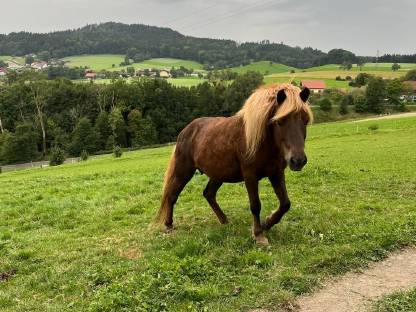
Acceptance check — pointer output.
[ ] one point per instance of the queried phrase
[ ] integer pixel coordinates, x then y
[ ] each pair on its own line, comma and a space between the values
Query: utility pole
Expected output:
378, 55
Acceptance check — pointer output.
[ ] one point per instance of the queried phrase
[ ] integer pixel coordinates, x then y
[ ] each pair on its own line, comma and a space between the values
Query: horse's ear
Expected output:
280, 97
304, 94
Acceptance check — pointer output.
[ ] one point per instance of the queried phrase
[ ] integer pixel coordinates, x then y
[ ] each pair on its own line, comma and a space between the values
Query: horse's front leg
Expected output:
252, 185
279, 186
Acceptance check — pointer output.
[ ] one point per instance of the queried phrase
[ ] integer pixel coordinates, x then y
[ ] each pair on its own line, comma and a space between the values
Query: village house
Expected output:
39, 65
91, 75
164, 73
13, 65
315, 86
3, 72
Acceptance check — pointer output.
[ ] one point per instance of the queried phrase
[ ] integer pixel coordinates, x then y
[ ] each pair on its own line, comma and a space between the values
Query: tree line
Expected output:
37, 115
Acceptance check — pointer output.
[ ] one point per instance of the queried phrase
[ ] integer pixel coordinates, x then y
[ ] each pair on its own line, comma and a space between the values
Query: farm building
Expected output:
315, 86
90, 76
3, 72
39, 65
164, 74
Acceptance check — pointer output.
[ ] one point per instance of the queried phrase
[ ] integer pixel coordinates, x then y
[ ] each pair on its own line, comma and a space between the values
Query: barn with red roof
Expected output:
314, 85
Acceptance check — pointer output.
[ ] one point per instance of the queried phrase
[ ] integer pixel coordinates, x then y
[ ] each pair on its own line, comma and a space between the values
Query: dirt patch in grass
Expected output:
5, 276
357, 291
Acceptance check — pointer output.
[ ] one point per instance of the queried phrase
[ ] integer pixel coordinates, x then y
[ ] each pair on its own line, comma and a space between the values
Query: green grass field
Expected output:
330, 83
77, 237
96, 62
17, 59
179, 82
398, 302
105, 61
264, 67
368, 67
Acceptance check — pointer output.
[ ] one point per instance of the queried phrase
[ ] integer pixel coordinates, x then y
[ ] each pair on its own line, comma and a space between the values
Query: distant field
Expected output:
372, 67
185, 82
331, 83
106, 61
179, 82
95, 62
264, 67
17, 59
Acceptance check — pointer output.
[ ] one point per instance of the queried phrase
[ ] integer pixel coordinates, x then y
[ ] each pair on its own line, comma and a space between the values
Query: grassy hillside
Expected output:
17, 59
96, 62
368, 67
77, 237
264, 67
330, 83
105, 61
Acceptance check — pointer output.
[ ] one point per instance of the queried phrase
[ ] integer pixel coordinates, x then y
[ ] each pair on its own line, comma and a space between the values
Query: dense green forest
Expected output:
142, 42
37, 114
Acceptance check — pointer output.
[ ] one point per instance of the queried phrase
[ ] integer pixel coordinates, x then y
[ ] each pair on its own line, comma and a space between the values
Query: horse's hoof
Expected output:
261, 240
169, 229
224, 221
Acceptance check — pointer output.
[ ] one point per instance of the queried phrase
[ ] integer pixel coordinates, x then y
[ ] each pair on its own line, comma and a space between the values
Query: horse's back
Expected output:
213, 145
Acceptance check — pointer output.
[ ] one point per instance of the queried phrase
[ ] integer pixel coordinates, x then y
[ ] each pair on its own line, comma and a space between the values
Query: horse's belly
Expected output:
219, 167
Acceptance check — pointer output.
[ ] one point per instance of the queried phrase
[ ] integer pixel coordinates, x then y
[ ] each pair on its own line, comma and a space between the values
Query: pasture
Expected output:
105, 61
17, 59
77, 237
264, 67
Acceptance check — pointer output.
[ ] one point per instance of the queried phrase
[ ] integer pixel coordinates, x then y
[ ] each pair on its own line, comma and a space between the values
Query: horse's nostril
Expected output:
305, 160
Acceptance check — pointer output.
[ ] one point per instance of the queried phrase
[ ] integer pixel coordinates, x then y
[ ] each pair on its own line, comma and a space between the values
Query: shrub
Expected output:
361, 104
349, 78
57, 156
325, 105
117, 151
84, 155
343, 106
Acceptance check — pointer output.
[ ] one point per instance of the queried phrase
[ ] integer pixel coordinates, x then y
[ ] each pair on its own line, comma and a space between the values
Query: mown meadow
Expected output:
77, 237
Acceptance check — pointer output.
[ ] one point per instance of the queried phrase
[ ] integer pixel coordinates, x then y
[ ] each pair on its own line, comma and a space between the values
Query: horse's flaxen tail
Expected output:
164, 209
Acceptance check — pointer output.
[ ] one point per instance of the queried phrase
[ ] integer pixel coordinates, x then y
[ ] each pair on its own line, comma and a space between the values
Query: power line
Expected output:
226, 16
189, 14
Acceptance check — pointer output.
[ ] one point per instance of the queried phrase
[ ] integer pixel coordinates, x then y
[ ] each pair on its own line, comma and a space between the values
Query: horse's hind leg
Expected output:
210, 194
179, 173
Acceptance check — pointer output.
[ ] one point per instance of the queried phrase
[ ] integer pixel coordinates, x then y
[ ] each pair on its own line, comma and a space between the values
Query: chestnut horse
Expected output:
261, 140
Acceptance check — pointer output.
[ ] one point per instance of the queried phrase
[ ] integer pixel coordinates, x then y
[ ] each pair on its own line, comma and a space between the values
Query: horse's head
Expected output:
289, 130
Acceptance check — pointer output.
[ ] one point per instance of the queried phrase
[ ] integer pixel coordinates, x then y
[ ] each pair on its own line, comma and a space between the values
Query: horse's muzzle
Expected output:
297, 163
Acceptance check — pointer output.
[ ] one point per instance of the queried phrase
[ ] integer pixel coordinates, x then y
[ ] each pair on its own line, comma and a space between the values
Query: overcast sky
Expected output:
362, 26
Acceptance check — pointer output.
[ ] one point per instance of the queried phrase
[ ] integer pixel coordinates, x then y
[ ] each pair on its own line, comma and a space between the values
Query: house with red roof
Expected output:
315, 86
3, 71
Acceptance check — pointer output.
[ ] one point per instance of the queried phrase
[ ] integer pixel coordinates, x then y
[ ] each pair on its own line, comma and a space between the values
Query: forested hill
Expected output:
142, 42
150, 42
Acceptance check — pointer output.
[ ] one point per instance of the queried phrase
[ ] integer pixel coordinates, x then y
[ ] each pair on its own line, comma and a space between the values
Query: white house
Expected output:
39, 65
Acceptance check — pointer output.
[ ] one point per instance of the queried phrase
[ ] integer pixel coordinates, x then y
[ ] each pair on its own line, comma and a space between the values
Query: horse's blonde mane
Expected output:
258, 108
